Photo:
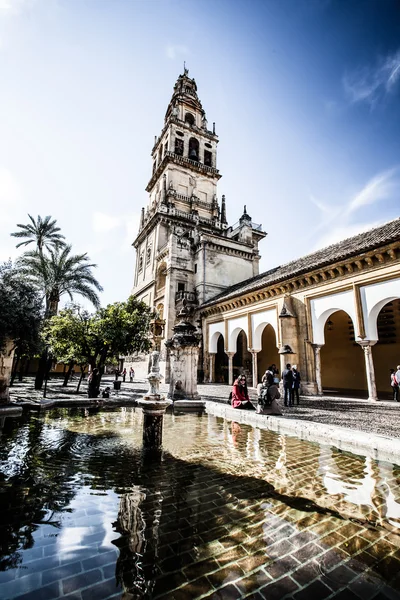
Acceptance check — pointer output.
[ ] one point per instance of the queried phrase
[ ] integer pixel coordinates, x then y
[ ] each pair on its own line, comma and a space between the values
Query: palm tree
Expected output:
43, 232
58, 273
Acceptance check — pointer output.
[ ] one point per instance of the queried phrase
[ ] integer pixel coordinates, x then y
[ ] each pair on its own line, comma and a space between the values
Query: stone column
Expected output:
230, 370
255, 367
366, 345
212, 367
317, 359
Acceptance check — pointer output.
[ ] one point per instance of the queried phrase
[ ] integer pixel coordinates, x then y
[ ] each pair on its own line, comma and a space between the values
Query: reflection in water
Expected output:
76, 487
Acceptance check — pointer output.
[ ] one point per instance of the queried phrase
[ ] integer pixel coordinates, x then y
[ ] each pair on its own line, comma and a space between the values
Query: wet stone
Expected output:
197, 525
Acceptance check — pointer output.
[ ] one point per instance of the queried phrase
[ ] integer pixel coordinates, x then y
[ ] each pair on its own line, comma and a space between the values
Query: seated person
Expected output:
240, 395
267, 380
106, 393
267, 400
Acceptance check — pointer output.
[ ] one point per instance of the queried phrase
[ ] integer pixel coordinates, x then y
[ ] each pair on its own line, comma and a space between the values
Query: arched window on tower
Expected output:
178, 147
208, 158
148, 255
161, 276
141, 262
193, 149
189, 119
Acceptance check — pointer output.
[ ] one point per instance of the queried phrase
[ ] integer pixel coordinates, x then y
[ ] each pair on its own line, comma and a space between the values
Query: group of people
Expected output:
123, 374
395, 382
267, 391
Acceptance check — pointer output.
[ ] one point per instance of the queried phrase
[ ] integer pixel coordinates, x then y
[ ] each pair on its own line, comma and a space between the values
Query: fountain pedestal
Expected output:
154, 406
184, 356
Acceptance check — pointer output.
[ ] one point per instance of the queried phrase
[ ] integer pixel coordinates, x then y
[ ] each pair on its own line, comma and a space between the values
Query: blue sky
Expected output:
305, 95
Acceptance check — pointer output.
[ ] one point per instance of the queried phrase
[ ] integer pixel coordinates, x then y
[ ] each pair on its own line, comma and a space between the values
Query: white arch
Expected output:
373, 299
322, 308
258, 323
234, 328
214, 331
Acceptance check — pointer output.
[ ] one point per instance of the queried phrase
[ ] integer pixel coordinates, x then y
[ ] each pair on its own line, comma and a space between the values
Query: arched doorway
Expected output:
386, 352
221, 362
342, 359
269, 351
242, 358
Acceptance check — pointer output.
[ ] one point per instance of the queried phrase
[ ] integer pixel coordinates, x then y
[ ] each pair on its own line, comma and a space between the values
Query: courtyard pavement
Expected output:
377, 418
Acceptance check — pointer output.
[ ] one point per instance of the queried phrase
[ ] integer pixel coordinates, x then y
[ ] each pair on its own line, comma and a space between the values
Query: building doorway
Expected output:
342, 359
221, 362
386, 352
269, 352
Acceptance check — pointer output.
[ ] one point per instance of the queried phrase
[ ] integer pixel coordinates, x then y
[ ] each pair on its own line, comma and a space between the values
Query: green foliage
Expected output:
43, 232
119, 329
20, 310
58, 273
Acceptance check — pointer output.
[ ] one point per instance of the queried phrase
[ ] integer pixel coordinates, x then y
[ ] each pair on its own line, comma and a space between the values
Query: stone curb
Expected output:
10, 410
376, 446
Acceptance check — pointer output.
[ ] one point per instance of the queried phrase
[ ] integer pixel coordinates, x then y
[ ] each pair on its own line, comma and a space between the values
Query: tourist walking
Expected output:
240, 395
287, 378
296, 383
131, 374
124, 375
394, 384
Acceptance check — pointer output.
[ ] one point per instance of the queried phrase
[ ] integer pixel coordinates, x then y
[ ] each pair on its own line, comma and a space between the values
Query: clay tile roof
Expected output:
363, 242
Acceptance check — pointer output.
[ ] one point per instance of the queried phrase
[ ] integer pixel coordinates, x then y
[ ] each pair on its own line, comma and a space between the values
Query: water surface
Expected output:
230, 511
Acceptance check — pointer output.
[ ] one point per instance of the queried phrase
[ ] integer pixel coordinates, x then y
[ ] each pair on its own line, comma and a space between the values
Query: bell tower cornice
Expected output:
171, 157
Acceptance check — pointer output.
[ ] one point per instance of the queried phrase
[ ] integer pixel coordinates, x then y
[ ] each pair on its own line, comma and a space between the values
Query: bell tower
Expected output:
185, 249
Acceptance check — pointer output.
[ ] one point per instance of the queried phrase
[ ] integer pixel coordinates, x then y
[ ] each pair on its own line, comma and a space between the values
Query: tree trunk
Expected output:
15, 368
67, 374
28, 362
80, 380
21, 368
41, 372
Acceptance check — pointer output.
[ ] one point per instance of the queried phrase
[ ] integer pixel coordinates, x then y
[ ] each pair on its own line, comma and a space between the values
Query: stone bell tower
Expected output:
185, 249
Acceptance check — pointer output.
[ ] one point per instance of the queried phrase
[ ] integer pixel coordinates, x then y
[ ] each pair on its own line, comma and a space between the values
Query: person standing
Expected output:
394, 384
93, 384
124, 375
296, 383
117, 374
131, 374
287, 378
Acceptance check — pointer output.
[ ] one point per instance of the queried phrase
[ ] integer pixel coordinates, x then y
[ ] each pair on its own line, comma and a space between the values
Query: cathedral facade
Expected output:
335, 313
186, 252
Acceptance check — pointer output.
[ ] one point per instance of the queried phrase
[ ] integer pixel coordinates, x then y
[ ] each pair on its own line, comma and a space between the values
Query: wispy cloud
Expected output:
372, 83
380, 187
173, 51
340, 221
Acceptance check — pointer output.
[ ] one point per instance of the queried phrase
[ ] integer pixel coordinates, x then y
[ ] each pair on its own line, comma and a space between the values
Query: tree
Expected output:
21, 313
43, 232
60, 273
120, 328
55, 274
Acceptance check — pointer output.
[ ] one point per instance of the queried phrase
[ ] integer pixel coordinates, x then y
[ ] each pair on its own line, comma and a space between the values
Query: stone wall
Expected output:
6, 361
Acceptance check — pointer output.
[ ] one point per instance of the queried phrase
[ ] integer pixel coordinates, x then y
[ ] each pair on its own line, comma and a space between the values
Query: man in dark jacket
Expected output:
287, 378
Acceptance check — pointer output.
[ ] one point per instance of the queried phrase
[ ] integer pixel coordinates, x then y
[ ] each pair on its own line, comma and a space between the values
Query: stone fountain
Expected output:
184, 356
153, 404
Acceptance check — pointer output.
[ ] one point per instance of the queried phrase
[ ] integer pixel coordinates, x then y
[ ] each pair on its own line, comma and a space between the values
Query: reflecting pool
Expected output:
229, 511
